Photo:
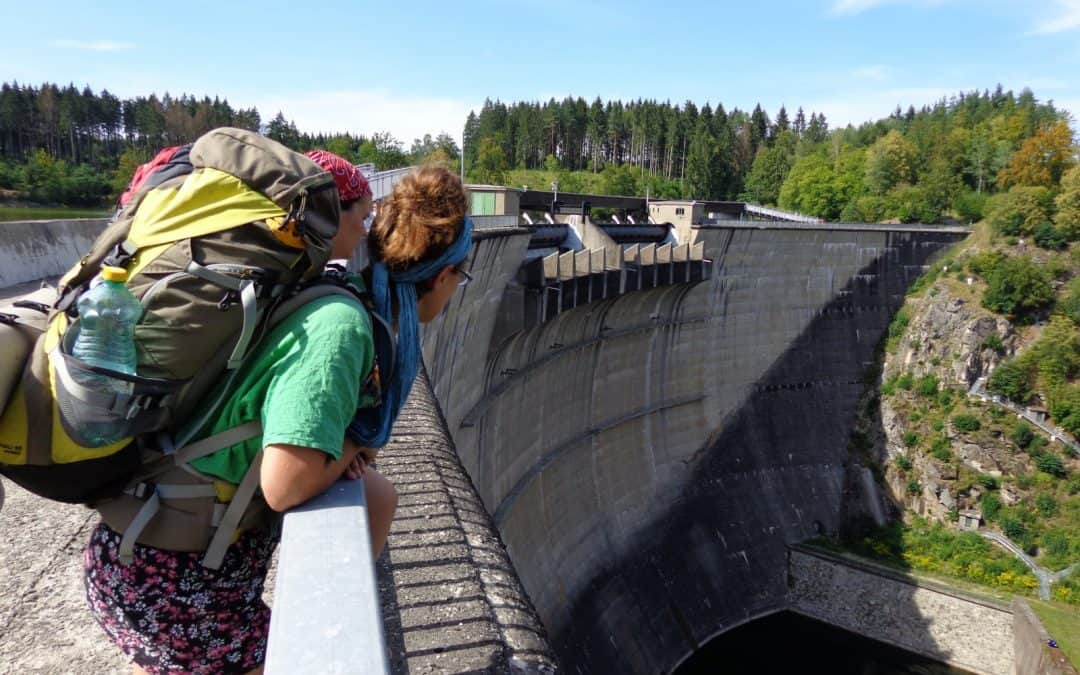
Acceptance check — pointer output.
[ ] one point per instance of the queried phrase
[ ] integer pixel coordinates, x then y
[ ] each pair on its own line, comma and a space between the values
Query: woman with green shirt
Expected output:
168, 612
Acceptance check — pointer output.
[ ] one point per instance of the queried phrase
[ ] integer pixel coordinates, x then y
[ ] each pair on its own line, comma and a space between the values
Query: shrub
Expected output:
1020, 210
1025, 481
1017, 286
905, 381
966, 422
911, 439
865, 209
1056, 545
990, 504
888, 387
937, 424
1038, 444
941, 449
1022, 435
1046, 505
989, 482
928, 385
970, 205
982, 264
913, 487
903, 462
993, 342
1051, 464
1014, 528
1073, 486
896, 330
1049, 237
1065, 409
912, 204
1068, 204
1013, 380
1070, 301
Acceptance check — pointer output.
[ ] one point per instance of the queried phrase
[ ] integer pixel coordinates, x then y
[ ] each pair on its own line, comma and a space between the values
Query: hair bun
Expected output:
420, 219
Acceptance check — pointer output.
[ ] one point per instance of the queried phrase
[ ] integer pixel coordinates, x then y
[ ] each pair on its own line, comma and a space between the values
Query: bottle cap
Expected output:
113, 273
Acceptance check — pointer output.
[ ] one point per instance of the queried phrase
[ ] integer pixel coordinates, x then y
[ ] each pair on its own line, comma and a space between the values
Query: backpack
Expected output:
222, 240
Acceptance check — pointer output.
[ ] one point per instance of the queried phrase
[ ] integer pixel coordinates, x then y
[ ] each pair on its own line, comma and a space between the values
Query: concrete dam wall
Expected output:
647, 458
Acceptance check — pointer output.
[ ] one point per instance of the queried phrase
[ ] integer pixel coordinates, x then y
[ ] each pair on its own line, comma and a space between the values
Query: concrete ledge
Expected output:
1033, 651
326, 612
34, 249
902, 611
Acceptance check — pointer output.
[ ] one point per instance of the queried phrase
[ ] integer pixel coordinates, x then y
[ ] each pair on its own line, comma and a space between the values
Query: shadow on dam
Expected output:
776, 471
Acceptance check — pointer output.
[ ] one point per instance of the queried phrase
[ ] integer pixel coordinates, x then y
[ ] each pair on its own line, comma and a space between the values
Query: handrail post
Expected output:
326, 616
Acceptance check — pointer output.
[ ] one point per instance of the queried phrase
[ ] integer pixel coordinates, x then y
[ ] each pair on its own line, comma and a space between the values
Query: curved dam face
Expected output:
648, 458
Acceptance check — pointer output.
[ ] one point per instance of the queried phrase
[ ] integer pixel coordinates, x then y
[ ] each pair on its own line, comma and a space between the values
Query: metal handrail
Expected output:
327, 616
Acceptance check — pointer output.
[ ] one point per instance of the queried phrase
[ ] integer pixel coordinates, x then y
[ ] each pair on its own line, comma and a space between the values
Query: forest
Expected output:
950, 160
71, 147
940, 161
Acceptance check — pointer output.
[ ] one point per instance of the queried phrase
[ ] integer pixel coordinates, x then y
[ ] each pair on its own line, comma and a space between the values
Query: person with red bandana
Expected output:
165, 610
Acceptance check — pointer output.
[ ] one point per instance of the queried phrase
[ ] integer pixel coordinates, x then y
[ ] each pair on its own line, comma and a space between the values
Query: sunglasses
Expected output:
465, 277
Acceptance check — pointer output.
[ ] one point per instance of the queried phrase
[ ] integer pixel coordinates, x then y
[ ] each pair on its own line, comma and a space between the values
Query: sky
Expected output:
419, 67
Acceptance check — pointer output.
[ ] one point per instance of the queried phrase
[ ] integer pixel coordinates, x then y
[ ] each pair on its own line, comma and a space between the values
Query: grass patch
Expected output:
1063, 624
9, 213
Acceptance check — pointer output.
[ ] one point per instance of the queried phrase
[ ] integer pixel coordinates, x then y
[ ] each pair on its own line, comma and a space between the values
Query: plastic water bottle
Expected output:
106, 338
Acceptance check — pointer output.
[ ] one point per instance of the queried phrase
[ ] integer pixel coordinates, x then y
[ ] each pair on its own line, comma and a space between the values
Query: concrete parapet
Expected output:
1032, 644
450, 599
891, 607
35, 249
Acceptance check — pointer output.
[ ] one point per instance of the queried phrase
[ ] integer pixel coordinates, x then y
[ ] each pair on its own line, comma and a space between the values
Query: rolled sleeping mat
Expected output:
22, 320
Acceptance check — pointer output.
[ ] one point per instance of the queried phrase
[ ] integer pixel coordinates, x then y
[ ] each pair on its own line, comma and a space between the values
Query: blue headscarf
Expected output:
371, 426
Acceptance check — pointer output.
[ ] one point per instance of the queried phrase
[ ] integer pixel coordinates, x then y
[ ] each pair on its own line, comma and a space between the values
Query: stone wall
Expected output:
962, 631
36, 249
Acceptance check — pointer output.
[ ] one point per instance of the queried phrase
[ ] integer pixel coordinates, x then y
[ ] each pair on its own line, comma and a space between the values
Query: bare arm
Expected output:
291, 474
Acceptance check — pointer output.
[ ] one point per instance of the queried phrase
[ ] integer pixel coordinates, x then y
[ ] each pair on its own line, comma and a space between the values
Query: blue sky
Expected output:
415, 67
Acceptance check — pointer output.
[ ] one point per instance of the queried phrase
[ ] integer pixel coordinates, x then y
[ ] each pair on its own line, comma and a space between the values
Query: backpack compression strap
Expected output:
153, 493
233, 514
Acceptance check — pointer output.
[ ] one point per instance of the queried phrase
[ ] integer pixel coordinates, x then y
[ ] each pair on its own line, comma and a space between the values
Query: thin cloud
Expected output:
93, 46
1067, 18
856, 107
367, 111
853, 7
877, 73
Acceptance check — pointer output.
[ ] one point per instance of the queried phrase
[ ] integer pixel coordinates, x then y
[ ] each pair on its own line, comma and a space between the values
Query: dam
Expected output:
652, 411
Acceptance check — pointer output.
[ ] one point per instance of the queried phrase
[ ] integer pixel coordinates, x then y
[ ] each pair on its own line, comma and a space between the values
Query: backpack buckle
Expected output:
144, 490
141, 402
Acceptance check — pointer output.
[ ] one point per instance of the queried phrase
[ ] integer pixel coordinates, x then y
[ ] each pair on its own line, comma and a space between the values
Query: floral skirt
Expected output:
172, 615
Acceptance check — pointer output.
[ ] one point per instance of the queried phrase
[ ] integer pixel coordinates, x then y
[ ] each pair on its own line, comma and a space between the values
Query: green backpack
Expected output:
220, 243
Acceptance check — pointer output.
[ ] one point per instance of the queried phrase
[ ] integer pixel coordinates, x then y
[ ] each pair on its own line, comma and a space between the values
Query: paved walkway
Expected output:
1045, 576
978, 390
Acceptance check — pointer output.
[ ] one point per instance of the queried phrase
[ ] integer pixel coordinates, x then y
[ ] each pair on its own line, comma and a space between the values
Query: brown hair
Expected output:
419, 220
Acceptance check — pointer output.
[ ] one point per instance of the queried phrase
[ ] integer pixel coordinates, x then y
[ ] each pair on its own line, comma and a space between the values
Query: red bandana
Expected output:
351, 184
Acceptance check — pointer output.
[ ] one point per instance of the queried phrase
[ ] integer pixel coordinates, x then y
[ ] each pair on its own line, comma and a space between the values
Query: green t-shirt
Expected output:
302, 383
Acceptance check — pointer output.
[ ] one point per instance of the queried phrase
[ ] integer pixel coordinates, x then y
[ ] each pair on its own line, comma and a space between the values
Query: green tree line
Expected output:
63, 145
943, 159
